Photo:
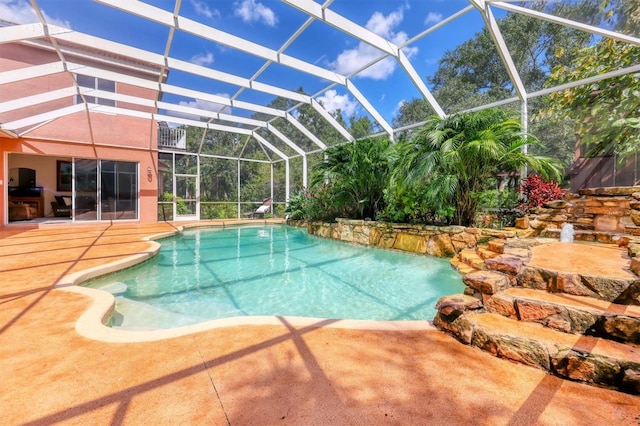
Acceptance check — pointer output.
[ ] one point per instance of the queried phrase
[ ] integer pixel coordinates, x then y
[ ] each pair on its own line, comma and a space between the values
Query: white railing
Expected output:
172, 138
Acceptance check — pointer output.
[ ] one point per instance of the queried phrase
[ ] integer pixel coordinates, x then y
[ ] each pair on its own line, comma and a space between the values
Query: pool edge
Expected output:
91, 323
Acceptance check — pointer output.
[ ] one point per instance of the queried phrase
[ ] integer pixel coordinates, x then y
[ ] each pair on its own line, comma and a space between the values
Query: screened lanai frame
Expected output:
251, 130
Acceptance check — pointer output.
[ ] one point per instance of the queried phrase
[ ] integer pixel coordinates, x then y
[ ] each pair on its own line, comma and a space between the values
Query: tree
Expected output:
356, 174
454, 157
606, 113
361, 127
473, 74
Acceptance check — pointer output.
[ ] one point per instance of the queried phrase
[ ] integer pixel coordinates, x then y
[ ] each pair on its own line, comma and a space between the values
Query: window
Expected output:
105, 190
99, 84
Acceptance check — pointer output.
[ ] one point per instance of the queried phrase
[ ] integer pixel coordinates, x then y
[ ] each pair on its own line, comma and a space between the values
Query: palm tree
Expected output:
456, 156
357, 174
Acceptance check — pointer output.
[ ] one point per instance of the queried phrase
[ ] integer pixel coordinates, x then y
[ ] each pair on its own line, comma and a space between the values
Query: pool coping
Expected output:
92, 323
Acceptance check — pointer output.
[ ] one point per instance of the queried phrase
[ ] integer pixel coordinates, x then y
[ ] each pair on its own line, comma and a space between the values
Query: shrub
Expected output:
536, 191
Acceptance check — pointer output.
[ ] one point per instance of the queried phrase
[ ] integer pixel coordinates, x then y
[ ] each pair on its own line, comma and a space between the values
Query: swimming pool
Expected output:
213, 273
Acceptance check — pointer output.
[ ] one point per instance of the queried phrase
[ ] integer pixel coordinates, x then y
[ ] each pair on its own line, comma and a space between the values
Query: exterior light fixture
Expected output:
149, 170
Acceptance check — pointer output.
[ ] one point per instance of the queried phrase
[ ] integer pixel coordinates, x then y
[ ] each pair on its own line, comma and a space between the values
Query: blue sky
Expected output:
272, 23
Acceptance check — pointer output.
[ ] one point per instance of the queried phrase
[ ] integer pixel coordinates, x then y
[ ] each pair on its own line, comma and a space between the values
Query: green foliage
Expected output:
497, 209
218, 211
455, 157
606, 113
317, 205
473, 73
406, 204
357, 174
296, 209
496, 199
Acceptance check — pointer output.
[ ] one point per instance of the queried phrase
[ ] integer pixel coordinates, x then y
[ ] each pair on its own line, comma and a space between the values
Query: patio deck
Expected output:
250, 374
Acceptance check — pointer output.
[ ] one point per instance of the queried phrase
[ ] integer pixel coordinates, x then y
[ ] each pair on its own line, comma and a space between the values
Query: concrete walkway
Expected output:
247, 375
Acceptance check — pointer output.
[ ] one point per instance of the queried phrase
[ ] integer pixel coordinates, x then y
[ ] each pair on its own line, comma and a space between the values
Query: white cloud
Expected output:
332, 102
21, 12
250, 11
203, 59
198, 104
433, 18
203, 9
351, 60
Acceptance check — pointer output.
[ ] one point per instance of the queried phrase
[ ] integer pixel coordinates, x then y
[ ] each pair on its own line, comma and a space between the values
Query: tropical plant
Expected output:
297, 204
536, 191
356, 175
455, 157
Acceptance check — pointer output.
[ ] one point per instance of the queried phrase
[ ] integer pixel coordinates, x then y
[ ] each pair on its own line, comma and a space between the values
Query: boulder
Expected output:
501, 304
522, 222
585, 367
624, 328
455, 305
519, 349
440, 245
506, 263
556, 204
486, 282
631, 381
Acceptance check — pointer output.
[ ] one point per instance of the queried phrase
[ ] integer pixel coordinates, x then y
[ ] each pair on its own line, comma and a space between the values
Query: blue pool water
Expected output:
207, 274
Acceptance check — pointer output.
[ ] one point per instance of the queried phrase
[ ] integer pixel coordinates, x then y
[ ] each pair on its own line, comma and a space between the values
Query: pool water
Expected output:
207, 274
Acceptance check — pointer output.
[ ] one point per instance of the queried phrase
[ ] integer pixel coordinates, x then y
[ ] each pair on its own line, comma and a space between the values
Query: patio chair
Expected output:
262, 210
60, 207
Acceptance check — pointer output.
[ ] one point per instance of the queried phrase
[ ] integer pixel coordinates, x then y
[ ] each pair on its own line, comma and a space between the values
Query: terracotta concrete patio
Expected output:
252, 374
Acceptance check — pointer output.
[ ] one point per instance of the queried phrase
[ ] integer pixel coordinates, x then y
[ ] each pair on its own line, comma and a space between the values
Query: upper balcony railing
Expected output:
171, 138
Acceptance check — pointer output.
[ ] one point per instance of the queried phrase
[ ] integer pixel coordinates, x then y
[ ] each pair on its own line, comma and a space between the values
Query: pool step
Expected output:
564, 322
568, 313
587, 359
470, 260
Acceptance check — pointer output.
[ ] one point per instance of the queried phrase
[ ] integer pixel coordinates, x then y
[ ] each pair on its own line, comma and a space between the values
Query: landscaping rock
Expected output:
585, 367
497, 245
535, 278
501, 304
410, 243
635, 265
506, 263
631, 381
486, 282
440, 246
631, 296
624, 328
522, 222
556, 204
460, 327
457, 304
518, 349
606, 288
518, 252
572, 284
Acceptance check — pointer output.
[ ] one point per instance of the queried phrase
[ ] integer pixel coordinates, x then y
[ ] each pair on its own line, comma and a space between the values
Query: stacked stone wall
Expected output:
597, 214
439, 241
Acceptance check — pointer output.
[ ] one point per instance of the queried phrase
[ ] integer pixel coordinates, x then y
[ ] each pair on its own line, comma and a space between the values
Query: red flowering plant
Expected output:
536, 191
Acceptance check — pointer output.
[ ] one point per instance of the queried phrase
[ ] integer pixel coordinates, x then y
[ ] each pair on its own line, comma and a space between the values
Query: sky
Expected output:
271, 23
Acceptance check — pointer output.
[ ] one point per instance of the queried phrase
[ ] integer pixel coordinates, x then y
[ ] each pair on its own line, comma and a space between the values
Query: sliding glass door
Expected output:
105, 190
86, 191
119, 190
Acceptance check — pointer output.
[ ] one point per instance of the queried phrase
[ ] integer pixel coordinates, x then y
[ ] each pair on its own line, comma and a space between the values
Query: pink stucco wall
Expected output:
79, 135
